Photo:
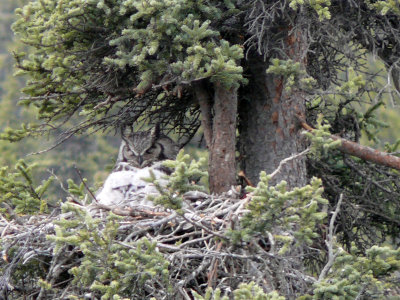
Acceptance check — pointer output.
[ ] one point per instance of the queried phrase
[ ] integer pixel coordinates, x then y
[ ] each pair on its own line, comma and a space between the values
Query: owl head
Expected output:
142, 148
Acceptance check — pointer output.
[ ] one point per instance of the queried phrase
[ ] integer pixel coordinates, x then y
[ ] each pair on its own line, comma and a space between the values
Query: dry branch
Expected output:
330, 242
360, 151
195, 245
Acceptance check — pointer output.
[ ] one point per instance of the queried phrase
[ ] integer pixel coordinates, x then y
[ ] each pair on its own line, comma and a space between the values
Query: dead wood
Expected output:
360, 151
195, 242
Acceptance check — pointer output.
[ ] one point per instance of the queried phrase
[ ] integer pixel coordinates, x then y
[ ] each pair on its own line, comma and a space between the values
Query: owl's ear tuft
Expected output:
155, 131
126, 131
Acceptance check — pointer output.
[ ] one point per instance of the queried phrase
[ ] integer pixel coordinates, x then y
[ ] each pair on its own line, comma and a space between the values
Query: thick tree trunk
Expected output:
269, 129
219, 124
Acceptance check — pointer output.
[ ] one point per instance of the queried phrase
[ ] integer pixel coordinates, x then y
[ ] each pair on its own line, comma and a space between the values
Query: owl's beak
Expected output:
140, 160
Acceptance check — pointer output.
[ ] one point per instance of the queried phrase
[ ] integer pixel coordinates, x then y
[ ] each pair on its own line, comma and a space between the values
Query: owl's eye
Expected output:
129, 152
150, 151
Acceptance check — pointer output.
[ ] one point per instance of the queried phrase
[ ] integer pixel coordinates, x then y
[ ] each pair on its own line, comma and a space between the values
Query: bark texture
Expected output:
222, 164
204, 100
219, 124
269, 130
368, 154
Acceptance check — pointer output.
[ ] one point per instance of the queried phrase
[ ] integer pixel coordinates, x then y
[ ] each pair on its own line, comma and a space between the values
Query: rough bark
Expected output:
222, 164
203, 98
269, 130
219, 124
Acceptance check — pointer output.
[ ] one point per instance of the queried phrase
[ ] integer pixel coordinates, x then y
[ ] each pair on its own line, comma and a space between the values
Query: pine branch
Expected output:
360, 151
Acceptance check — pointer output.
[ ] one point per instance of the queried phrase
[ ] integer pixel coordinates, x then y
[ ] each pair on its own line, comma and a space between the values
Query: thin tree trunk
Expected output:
222, 164
219, 125
203, 98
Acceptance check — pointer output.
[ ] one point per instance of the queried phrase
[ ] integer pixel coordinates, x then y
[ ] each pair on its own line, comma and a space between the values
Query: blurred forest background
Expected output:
93, 154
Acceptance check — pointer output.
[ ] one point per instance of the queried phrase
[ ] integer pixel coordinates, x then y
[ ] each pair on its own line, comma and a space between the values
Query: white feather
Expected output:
128, 187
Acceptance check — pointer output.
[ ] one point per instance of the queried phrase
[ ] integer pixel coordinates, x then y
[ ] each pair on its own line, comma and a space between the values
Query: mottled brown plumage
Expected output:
144, 148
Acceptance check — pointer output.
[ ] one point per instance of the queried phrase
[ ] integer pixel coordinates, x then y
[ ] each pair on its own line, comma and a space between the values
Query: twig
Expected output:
109, 100
362, 290
286, 160
329, 242
205, 228
149, 227
194, 241
212, 274
84, 183
205, 263
53, 146
11, 213
243, 175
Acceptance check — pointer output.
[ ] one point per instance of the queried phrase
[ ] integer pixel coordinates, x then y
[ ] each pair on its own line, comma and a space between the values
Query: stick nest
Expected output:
194, 243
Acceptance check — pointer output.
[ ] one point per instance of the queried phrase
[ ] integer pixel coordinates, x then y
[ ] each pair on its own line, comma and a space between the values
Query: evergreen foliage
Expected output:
320, 6
353, 275
320, 138
384, 7
245, 291
94, 64
182, 180
109, 268
145, 43
19, 191
286, 223
291, 216
292, 72
16, 124
371, 124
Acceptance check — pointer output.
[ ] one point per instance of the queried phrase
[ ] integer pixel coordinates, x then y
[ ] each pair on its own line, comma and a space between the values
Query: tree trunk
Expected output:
269, 129
219, 123
222, 162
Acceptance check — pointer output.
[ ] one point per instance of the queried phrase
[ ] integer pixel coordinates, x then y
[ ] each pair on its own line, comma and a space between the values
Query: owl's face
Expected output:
141, 148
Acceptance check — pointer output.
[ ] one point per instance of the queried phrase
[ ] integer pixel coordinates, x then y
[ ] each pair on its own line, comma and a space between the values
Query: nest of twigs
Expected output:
194, 242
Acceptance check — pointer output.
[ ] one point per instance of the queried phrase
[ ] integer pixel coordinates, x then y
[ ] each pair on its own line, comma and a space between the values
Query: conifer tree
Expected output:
83, 151
275, 66
272, 65
115, 62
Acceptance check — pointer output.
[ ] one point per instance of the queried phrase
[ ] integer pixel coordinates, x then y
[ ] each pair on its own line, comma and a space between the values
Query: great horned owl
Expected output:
144, 148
